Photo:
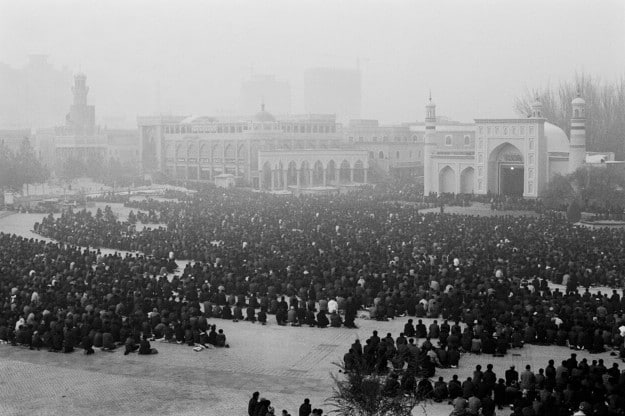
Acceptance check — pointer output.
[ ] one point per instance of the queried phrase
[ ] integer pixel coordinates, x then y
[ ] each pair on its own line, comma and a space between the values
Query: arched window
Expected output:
397, 155
447, 140
381, 155
467, 140
576, 113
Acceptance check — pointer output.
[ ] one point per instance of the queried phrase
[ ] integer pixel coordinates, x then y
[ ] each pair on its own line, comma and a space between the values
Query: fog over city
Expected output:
191, 57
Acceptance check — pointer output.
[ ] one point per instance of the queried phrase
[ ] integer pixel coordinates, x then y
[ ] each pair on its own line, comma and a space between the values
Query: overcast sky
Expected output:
475, 56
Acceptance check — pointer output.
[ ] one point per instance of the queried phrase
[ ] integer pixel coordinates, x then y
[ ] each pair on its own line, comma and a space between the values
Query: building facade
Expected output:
516, 156
395, 150
260, 151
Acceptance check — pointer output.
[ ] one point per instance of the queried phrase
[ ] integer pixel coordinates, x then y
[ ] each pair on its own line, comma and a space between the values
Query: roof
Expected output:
198, 119
557, 141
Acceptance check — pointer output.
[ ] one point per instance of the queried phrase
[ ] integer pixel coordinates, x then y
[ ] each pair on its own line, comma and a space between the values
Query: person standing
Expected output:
305, 409
253, 403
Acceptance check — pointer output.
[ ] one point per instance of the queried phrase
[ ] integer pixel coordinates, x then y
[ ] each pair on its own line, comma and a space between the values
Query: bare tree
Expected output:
364, 393
605, 109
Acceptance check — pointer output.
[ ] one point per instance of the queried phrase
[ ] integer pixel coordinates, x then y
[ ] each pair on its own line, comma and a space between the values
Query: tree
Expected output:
362, 393
29, 166
597, 189
72, 168
559, 192
605, 109
18, 169
574, 213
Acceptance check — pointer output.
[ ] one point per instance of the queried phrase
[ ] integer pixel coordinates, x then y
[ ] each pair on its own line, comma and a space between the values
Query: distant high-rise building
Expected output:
33, 96
334, 91
265, 89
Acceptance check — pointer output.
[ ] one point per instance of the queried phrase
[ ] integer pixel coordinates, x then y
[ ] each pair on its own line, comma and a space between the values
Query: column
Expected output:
310, 177
351, 175
284, 179
365, 171
325, 182
297, 172
273, 179
260, 180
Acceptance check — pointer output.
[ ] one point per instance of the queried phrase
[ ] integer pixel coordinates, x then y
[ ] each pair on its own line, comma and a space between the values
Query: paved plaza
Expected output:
286, 364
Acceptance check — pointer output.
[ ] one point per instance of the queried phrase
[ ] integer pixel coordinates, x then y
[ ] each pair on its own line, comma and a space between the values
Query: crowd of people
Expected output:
260, 406
388, 258
569, 387
60, 297
315, 261
557, 389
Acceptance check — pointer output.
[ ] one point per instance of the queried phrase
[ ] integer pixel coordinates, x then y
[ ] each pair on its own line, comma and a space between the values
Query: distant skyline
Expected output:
191, 57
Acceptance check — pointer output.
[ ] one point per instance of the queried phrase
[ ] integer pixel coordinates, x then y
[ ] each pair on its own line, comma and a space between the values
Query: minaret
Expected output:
429, 145
82, 116
537, 109
577, 148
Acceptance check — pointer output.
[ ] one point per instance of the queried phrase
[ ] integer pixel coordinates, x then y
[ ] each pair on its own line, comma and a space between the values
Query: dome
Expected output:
264, 116
557, 141
578, 100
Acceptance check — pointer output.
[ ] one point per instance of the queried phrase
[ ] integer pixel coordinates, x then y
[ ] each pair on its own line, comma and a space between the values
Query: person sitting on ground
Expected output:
335, 320
221, 339
130, 345
292, 316
145, 348
322, 319
107, 342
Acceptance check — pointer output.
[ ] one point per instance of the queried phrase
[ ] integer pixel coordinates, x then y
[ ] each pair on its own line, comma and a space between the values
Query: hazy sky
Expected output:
191, 56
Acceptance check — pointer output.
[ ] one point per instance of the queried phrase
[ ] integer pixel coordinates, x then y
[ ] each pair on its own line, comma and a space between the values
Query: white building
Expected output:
515, 156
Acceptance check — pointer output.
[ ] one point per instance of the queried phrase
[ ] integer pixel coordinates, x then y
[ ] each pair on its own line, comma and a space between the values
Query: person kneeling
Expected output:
145, 348
130, 345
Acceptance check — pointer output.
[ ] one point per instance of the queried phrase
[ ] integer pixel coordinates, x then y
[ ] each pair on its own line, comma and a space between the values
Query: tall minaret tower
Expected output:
429, 145
81, 116
577, 148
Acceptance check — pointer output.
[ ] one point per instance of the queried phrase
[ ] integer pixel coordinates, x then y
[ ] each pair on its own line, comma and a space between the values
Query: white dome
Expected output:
578, 100
557, 141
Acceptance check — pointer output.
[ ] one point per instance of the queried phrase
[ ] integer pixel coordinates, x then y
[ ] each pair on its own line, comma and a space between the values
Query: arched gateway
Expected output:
506, 170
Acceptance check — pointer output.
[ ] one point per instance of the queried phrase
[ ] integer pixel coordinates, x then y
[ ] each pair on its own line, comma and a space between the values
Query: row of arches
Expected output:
447, 180
307, 174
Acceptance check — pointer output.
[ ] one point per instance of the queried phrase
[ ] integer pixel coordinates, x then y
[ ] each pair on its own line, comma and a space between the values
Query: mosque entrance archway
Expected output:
506, 170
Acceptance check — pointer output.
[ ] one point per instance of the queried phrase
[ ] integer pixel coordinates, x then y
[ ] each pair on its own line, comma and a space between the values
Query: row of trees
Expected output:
21, 167
605, 110
594, 189
111, 172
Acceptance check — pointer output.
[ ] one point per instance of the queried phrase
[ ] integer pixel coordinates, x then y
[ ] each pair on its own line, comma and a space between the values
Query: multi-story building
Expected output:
395, 150
300, 151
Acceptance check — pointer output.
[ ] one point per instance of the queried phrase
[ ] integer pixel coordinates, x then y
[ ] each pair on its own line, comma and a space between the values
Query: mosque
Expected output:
515, 156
